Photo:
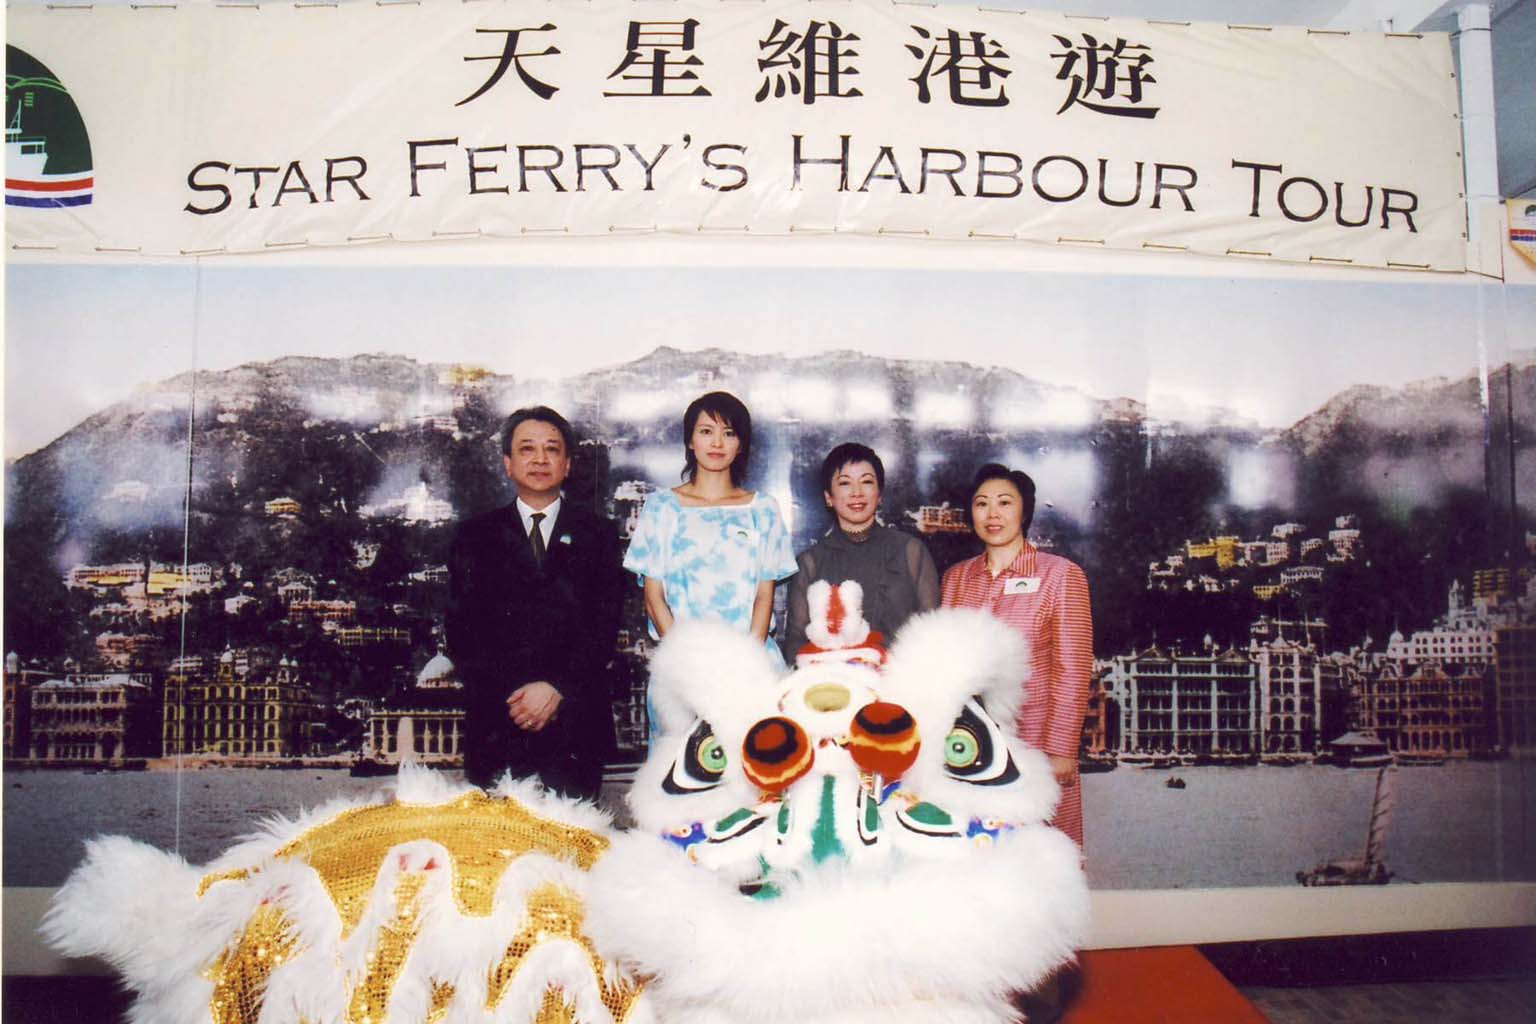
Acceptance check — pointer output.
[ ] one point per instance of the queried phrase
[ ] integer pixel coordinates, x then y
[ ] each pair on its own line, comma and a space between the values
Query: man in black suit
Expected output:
534, 595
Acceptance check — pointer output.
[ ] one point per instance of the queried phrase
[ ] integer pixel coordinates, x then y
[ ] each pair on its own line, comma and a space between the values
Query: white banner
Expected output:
239, 128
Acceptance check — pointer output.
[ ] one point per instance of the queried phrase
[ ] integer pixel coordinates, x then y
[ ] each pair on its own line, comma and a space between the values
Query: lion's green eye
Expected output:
961, 748
712, 755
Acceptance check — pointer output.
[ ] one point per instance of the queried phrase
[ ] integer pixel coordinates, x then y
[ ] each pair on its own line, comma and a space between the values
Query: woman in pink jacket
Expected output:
1044, 597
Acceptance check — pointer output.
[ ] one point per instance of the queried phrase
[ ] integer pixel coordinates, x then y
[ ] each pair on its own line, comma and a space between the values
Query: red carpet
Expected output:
1155, 985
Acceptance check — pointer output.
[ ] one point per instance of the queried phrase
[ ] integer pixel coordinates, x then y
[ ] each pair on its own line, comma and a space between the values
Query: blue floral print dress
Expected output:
711, 558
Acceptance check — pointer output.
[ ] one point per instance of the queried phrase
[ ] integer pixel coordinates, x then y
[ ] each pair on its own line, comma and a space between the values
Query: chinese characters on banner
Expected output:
355, 123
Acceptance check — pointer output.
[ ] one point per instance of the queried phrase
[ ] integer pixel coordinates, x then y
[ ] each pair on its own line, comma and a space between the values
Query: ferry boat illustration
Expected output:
28, 181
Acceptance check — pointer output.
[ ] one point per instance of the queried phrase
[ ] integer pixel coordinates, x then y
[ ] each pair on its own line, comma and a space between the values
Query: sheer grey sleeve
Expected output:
798, 611
924, 575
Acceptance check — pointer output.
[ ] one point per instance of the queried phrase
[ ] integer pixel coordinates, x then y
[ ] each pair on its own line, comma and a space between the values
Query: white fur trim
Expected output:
904, 937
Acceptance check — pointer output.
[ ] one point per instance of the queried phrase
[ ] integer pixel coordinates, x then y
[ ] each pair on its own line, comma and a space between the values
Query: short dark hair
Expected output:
727, 408
543, 414
846, 454
1020, 479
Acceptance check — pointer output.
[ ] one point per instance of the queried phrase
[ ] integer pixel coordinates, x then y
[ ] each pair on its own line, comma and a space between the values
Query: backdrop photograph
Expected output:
1303, 507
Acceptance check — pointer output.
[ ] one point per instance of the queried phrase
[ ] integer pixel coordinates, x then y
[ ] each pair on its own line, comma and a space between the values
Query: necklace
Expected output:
857, 536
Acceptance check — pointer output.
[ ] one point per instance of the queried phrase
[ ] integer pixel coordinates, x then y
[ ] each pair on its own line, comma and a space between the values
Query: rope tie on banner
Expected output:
1169, 24
1394, 265
723, 229
623, 229
372, 238
903, 232
285, 245
246, 7
797, 229
1329, 259
973, 233
562, 230
205, 252
457, 234
28, 247
1327, 32
153, 7
1251, 28
127, 249
70, 7
1164, 247
1079, 241
1248, 252
397, 3
989, 10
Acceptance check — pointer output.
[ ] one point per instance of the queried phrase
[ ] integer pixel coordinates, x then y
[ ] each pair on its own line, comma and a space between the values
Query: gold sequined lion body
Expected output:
442, 905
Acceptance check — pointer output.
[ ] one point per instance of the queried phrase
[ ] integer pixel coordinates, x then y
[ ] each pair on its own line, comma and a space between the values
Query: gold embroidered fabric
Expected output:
370, 1000
555, 912
482, 834
240, 973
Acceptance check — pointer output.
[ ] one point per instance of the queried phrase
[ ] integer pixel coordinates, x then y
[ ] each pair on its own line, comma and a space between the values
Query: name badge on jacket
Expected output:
1022, 585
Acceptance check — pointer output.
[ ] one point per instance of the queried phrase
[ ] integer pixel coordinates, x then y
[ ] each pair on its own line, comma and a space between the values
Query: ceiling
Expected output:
1514, 48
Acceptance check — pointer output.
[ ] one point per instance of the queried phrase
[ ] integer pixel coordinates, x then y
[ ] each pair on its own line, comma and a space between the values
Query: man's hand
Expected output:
1064, 768
532, 705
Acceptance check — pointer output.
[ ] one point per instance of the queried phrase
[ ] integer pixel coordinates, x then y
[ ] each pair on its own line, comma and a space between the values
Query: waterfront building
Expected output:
96, 718
237, 604
18, 704
1426, 709
1290, 684
425, 724
124, 650
440, 422
1344, 538
414, 505
239, 710
284, 506
359, 636
628, 499
300, 612
1102, 710
1169, 702
296, 590
942, 518
431, 574
1514, 687
105, 577
165, 578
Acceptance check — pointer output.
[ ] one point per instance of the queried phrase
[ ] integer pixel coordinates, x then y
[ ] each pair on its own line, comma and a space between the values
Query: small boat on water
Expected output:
368, 768
1175, 782
1370, 868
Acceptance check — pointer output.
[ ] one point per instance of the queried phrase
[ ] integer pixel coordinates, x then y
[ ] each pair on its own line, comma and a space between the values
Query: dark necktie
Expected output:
538, 539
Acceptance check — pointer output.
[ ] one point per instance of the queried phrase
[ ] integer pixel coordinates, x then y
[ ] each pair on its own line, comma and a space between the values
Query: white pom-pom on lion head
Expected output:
837, 614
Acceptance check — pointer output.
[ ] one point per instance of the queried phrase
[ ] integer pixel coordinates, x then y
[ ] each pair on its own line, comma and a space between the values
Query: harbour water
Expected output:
1473, 821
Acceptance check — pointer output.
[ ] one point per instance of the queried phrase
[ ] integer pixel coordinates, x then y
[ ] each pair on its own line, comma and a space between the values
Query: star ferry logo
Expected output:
47, 152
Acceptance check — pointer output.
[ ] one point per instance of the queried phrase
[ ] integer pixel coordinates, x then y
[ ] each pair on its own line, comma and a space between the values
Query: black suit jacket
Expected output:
511, 621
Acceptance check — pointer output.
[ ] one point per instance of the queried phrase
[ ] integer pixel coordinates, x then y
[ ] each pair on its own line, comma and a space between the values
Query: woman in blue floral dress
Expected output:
709, 548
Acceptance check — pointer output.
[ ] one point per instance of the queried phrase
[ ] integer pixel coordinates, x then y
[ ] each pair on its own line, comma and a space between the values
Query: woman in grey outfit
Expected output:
894, 568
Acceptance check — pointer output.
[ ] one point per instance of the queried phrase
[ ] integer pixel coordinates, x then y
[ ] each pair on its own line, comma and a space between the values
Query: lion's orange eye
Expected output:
776, 754
883, 739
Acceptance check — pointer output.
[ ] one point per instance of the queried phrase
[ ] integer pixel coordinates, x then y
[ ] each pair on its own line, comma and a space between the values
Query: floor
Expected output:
1486, 977
95, 1001
1463, 1002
